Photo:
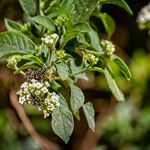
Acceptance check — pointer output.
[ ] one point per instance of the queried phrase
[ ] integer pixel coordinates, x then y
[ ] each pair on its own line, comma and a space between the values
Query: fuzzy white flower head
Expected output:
36, 93
144, 15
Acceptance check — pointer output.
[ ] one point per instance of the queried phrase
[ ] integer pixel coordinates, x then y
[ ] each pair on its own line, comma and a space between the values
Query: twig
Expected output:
43, 143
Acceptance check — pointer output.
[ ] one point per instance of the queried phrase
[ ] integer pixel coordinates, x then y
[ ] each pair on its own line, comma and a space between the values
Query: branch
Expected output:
43, 143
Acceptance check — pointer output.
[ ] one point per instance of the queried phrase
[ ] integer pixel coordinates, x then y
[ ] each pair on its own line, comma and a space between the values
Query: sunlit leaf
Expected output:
108, 23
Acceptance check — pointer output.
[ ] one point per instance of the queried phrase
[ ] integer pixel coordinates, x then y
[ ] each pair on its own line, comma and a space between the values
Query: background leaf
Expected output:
62, 121
77, 98
120, 3
14, 42
108, 22
29, 6
89, 114
113, 86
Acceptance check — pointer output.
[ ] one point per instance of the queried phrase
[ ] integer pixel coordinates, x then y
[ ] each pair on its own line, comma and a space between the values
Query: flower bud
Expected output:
60, 54
93, 60
13, 60
108, 47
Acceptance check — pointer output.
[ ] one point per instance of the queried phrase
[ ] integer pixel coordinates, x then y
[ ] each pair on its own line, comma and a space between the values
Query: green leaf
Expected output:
82, 27
45, 22
77, 115
113, 86
81, 39
62, 121
14, 42
55, 85
65, 7
90, 115
77, 98
95, 41
12, 25
25, 66
62, 69
76, 69
29, 6
33, 59
123, 67
82, 10
120, 3
108, 23
43, 50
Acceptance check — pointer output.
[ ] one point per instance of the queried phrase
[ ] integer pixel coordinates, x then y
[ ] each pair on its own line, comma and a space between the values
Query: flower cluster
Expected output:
50, 39
60, 54
144, 15
37, 93
93, 60
12, 61
108, 47
60, 20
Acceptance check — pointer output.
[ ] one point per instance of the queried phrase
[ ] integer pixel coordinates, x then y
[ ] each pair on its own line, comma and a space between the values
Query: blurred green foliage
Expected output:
127, 128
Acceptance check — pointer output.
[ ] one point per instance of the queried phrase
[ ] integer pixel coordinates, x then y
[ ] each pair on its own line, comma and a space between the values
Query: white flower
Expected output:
46, 114
44, 89
54, 35
47, 83
50, 39
33, 80
22, 100
28, 96
24, 85
39, 85
51, 107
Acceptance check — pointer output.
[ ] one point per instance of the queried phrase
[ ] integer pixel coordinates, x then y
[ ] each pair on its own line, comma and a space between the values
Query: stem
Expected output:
88, 69
42, 142
98, 54
41, 6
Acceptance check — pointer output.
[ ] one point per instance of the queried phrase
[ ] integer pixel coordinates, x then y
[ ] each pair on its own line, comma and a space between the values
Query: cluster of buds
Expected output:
108, 47
37, 93
60, 20
50, 39
91, 59
25, 27
12, 61
60, 54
